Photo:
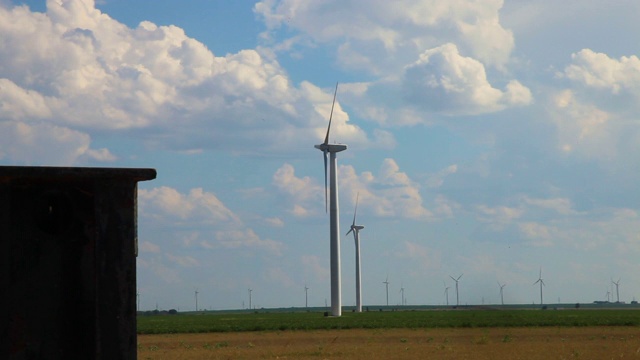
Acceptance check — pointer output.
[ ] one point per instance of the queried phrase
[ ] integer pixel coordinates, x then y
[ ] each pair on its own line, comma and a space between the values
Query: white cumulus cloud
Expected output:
598, 70
383, 34
442, 80
75, 67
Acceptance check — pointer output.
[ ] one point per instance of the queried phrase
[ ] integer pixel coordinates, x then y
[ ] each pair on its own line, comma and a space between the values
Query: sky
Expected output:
486, 138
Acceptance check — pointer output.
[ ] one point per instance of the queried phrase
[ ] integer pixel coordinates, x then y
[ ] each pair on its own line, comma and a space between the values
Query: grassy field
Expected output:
544, 343
214, 322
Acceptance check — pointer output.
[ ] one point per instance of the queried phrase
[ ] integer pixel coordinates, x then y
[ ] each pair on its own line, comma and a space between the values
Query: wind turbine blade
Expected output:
326, 204
326, 139
356, 211
349, 232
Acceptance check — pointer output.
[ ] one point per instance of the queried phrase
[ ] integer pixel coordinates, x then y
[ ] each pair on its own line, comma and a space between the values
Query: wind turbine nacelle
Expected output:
332, 148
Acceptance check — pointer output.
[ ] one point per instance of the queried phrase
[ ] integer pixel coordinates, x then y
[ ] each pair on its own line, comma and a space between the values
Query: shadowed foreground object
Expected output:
68, 246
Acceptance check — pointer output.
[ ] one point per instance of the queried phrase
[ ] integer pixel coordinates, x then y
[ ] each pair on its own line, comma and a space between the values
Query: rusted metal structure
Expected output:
68, 246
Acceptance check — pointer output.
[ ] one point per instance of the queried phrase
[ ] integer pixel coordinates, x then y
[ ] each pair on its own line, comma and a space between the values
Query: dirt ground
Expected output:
481, 343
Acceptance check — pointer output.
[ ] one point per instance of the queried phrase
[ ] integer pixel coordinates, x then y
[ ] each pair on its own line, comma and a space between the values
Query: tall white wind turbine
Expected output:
355, 229
617, 290
446, 292
331, 150
386, 283
502, 291
541, 282
456, 280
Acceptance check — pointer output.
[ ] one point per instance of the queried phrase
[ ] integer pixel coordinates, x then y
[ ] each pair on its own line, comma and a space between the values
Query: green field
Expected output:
279, 321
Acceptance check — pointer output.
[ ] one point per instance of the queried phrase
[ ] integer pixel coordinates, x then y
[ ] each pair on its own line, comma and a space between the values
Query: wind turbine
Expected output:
386, 282
355, 229
502, 291
446, 292
456, 280
617, 290
402, 291
138, 298
250, 290
196, 299
541, 284
306, 298
332, 150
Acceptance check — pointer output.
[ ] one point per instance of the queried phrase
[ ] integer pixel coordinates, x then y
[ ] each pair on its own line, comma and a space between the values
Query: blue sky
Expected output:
486, 138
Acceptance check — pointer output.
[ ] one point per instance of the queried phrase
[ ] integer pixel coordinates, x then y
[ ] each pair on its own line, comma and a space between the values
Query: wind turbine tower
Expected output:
250, 290
456, 280
196, 299
402, 291
355, 229
502, 291
617, 290
306, 297
541, 282
386, 283
331, 150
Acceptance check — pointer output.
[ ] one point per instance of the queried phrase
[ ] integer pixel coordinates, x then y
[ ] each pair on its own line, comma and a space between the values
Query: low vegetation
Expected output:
544, 343
216, 322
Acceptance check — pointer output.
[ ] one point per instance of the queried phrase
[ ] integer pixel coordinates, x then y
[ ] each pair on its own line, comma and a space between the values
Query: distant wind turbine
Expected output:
446, 292
386, 282
456, 280
541, 282
355, 229
306, 298
332, 150
196, 299
502, 291
617, 284
402, 291
250, 290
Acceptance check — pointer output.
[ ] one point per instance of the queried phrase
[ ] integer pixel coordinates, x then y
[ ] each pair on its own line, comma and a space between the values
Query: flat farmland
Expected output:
450, 343
450, 334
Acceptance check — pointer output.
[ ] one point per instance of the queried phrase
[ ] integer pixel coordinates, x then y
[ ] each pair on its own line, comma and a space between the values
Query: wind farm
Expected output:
476, 137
